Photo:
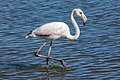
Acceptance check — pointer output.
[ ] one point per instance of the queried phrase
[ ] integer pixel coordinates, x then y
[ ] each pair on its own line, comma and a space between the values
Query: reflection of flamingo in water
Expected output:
54, 30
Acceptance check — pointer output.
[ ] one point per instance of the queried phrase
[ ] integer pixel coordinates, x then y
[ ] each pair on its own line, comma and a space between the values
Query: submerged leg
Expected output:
37, 53
49, 50
48, 57
61, 61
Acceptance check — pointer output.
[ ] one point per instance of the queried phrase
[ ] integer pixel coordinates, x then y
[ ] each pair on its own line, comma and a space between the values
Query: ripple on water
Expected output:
95, 55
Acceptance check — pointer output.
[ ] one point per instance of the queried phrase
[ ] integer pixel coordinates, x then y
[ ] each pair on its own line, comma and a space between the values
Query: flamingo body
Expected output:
52, 31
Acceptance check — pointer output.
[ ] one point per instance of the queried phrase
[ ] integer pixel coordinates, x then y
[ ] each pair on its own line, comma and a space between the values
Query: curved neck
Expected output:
77, 33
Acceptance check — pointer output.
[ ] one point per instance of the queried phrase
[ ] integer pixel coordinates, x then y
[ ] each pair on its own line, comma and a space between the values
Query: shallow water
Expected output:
95, 55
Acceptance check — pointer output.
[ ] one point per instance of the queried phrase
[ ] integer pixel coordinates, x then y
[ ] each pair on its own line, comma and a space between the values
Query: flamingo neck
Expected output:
77, 31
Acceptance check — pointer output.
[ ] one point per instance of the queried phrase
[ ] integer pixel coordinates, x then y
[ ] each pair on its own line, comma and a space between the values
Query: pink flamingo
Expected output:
54, 30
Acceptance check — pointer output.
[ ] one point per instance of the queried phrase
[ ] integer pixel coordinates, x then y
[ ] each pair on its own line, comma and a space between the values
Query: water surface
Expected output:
95, 55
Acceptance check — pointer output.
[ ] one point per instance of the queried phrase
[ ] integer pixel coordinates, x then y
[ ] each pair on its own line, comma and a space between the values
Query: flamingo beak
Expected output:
84, 24
84, 18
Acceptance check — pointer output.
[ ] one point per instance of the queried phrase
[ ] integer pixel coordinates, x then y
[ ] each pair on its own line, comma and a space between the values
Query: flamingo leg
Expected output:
49, 50
37, 53
48, 57
61, 61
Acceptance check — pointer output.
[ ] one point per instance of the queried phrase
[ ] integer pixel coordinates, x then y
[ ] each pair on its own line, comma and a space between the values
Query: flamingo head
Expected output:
80, 13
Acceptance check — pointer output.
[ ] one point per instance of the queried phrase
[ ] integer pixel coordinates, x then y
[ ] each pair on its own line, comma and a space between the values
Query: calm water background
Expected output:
94, 56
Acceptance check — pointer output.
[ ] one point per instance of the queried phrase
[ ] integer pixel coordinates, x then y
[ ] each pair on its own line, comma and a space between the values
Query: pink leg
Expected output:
47, 59
37, 53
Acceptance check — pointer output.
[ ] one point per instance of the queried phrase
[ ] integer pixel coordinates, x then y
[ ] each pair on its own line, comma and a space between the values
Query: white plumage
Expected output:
54, 30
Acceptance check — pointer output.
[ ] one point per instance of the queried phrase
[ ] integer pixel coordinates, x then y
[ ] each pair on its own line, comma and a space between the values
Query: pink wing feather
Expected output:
54, 28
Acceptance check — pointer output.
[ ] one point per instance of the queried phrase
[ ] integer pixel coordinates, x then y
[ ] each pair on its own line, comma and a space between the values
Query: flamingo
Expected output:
54, 30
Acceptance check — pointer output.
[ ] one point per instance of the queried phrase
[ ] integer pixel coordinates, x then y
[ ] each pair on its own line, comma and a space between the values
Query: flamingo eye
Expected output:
80, 12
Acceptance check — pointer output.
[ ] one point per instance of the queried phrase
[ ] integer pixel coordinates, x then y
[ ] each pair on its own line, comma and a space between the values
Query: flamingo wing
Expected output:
54, 28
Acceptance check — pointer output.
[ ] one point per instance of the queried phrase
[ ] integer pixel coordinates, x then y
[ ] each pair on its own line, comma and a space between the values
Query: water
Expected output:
95, 55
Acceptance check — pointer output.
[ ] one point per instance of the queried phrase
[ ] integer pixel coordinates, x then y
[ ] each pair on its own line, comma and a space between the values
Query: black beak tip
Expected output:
83, 23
